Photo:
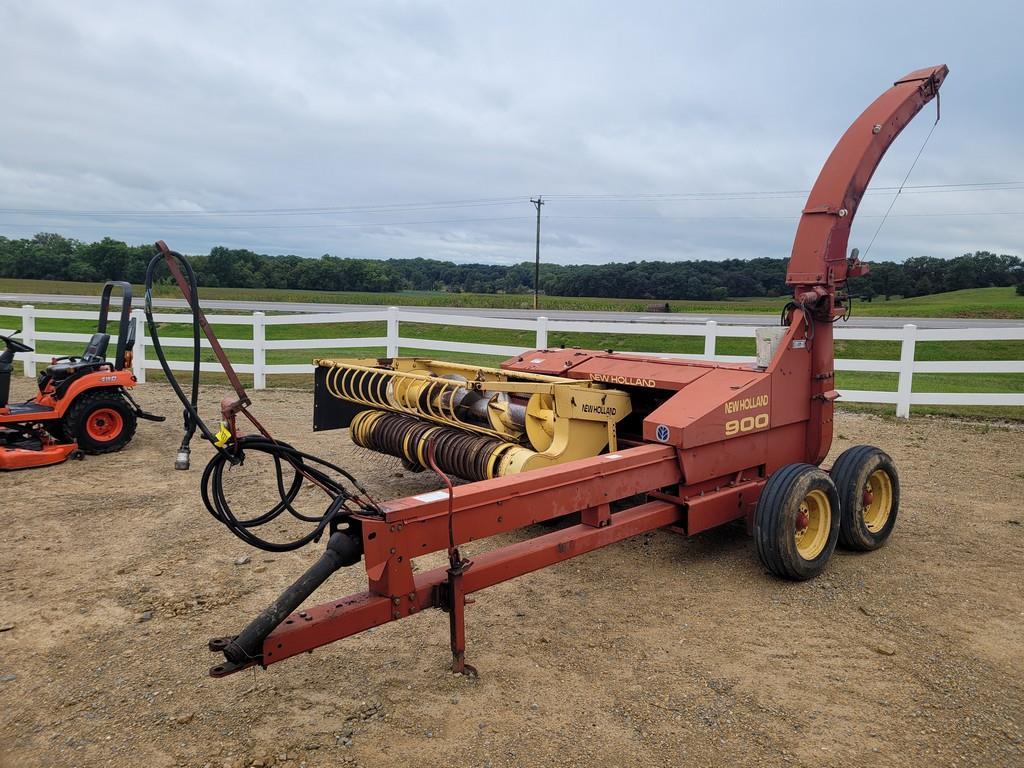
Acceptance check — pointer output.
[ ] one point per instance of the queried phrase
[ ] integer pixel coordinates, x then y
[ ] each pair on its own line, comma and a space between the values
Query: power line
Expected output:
791, 217
344, 225
383, 208
995, 186
183, 227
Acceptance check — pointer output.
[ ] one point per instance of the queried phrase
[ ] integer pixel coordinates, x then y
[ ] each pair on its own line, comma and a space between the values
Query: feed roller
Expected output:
459, 453
485, 422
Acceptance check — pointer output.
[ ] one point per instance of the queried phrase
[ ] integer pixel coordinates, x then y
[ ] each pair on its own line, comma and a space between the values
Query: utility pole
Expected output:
536, 266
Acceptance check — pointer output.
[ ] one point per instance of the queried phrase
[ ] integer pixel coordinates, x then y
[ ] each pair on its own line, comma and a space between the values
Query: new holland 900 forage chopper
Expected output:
691, 445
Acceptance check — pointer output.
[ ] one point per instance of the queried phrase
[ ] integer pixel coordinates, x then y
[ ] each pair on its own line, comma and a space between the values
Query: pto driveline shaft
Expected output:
342, 549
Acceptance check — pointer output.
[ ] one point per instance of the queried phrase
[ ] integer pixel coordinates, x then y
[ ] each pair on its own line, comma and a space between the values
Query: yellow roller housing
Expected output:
536, 420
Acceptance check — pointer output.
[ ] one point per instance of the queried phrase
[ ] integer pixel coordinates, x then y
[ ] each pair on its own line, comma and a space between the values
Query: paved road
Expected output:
559, 314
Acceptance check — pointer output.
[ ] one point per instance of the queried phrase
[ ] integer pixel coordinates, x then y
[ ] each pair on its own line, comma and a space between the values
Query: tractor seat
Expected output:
94, 356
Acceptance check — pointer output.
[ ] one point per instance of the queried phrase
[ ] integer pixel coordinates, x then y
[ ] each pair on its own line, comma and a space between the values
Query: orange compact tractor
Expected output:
625, 443
83, 403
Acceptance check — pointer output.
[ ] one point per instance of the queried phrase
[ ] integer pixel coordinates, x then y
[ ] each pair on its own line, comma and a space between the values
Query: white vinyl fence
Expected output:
903, 398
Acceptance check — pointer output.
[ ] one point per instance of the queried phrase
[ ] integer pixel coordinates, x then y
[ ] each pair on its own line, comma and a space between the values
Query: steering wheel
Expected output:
14, 344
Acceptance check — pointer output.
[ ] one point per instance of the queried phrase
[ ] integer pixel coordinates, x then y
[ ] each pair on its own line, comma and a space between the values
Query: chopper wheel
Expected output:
796, 524
100, 421
869, 493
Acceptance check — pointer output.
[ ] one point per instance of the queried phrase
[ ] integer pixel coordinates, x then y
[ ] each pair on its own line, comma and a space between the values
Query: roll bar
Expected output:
126, 326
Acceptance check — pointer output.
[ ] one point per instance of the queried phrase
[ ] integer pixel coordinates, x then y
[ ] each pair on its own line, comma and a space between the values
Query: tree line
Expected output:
50, 256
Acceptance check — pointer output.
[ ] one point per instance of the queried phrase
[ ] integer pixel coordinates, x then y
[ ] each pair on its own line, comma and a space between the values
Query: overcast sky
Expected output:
428, 126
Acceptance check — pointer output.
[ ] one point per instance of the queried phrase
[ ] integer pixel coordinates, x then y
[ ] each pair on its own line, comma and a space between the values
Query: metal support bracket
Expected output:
455, 591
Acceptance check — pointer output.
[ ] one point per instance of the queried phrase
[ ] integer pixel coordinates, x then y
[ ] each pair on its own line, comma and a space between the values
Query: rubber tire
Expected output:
775, 521
850, 473
84, 405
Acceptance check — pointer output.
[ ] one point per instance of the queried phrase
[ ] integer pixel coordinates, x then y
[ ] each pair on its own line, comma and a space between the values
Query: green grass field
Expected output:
875, 350
978, 302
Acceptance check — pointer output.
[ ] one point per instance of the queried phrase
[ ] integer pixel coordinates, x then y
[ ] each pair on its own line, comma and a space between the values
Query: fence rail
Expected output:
903, 398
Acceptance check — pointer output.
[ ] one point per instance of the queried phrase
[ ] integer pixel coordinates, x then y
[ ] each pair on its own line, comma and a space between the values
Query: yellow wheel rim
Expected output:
877, 500
813, 525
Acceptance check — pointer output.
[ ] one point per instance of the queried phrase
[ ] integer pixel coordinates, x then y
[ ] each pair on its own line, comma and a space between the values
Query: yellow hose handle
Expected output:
223, 435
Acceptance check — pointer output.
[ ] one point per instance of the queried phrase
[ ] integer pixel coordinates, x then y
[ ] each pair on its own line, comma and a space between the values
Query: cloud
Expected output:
194, 108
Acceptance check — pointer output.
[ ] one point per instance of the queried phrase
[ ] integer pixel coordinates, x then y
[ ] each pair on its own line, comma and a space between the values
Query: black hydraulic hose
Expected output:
192, 420
232, 451
808, 317
305, 466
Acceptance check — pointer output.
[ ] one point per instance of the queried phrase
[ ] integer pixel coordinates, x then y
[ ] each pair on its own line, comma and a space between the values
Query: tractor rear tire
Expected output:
101, 421
796, 524
869, 495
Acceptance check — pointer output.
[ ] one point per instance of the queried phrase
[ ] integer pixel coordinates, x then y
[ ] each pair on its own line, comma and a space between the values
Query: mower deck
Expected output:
20, 452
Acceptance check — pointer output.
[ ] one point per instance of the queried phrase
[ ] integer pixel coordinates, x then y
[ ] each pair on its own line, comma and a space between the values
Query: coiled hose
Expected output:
232, 449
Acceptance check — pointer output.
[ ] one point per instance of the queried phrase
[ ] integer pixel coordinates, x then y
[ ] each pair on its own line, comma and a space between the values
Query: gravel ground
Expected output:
660, 651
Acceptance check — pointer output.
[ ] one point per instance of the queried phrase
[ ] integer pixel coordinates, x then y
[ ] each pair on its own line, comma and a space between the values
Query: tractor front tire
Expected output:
869, 494
101, 421
796, 524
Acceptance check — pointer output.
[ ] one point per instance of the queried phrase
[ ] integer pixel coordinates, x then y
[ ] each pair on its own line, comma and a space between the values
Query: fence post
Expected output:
906, 382
542, 333
392, 350
259, 356
28, 336
710, 339
139, 353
